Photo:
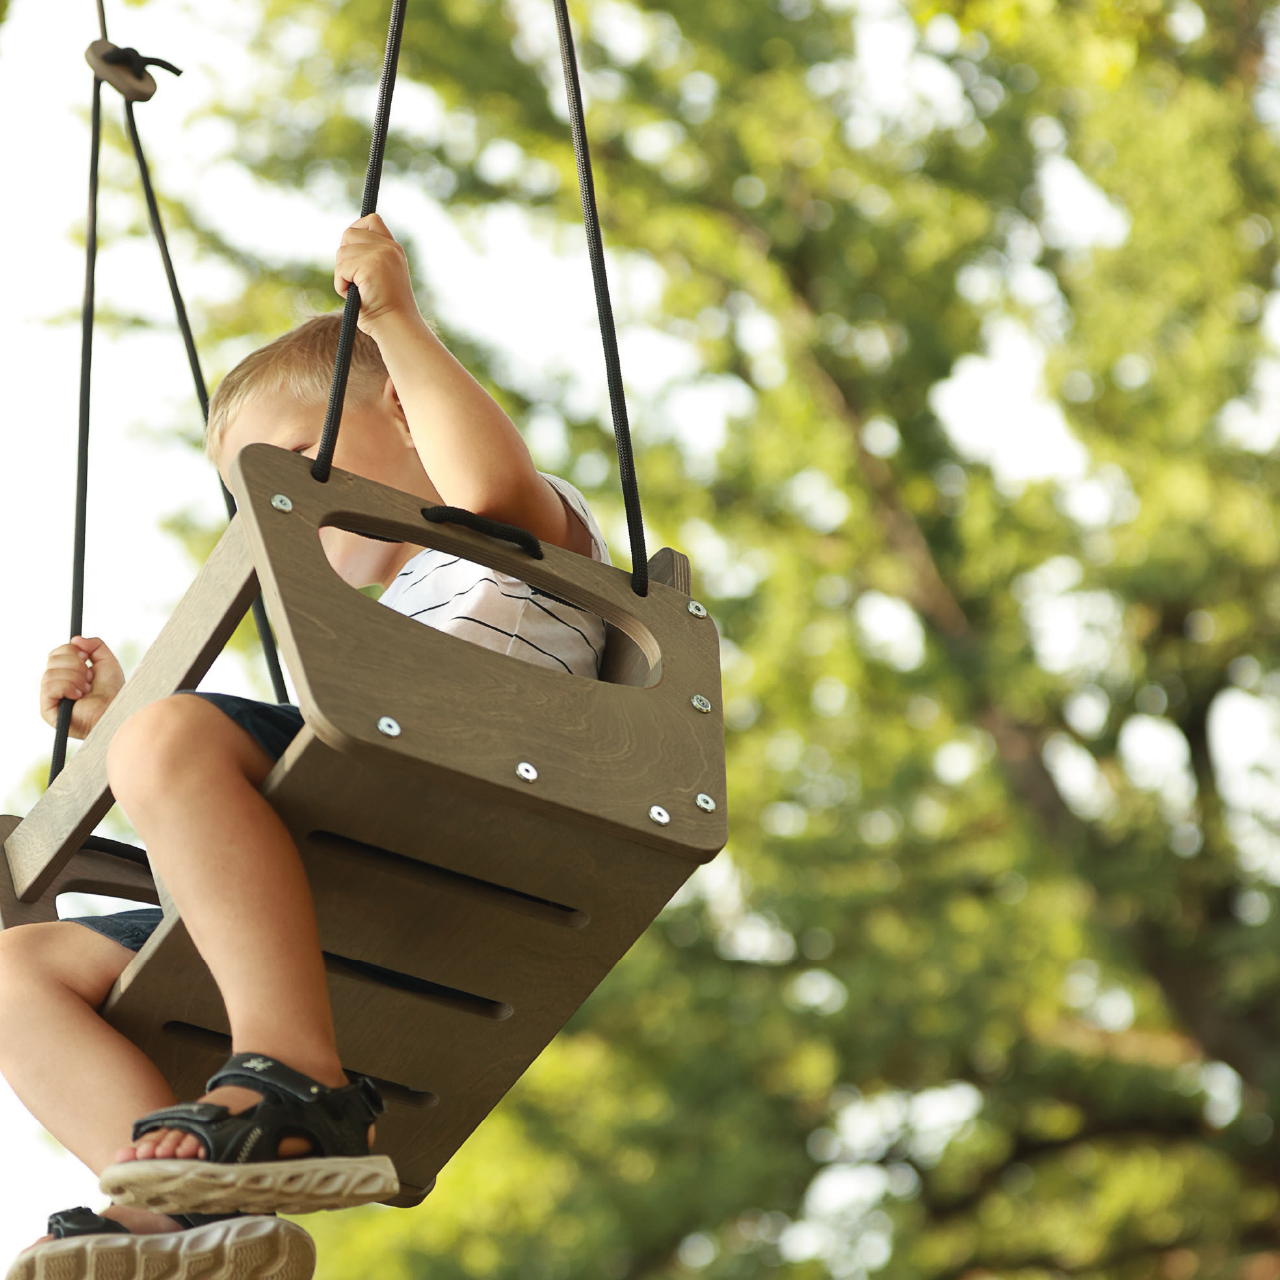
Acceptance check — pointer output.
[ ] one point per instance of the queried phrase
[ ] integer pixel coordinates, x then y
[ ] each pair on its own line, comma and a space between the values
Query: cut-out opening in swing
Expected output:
78, 899
433, 992
621, 661
457, 883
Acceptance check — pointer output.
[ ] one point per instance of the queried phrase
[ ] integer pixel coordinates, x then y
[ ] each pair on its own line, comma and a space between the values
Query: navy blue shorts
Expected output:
272, 726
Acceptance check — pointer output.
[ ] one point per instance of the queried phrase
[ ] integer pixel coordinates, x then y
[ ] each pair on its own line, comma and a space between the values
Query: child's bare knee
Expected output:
174, 741
20, 949
153, 745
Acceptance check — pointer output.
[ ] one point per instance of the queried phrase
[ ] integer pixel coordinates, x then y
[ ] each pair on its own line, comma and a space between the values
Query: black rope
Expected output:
117, 849
157, 229
62, 730
604, 308
490, 528
323, 464
197, 375
137, 64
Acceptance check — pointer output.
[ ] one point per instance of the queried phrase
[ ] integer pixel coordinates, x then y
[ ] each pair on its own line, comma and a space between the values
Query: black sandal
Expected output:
216, 1246
242, 1169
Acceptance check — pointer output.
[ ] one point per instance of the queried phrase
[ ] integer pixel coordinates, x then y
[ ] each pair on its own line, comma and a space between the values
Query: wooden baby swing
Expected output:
485, 843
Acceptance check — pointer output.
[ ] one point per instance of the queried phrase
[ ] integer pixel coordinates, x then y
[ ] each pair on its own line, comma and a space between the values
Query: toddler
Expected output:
187, 769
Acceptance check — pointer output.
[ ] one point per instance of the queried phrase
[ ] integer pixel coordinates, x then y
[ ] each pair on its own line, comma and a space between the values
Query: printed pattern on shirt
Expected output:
502, 612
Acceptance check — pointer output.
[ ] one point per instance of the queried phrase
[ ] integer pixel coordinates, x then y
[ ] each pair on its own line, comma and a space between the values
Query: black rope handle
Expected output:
490, 528
323, 463
604, 308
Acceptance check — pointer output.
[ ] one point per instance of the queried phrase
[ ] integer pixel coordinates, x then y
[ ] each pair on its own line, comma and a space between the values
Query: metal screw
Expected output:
526, 772
389, 726
659, 815
281, 503
705, 802
701, 703
698, 610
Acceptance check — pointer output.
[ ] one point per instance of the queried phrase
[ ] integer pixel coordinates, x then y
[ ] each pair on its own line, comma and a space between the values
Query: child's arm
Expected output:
471, 450
85, 671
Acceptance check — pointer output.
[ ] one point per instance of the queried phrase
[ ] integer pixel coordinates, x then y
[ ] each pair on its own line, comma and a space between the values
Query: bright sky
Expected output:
502, 282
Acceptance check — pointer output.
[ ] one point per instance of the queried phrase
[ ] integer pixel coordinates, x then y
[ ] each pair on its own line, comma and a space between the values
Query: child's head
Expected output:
278, 395
297, 366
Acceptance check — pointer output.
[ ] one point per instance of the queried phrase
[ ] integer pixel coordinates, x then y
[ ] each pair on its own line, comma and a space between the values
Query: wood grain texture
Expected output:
671, 568
608, 752
59, 822
503, 921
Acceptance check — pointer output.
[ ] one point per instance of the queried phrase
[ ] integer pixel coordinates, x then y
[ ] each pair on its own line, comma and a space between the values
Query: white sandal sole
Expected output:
274, 1186
238, 1249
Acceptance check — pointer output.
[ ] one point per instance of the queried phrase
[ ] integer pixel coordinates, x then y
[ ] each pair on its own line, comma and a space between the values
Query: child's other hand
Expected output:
372, 259
85, 671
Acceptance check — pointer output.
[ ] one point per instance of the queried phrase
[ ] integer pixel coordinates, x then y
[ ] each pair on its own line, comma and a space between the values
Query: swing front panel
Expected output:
459, 936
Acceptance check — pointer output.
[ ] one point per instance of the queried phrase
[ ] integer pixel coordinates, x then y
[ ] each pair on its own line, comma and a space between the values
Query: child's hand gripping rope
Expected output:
87, 672
372, 259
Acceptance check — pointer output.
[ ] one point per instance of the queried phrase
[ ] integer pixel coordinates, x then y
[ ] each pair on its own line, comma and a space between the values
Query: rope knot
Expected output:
136, 63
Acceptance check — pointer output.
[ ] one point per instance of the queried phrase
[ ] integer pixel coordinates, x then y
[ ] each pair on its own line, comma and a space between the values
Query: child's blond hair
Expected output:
298, 364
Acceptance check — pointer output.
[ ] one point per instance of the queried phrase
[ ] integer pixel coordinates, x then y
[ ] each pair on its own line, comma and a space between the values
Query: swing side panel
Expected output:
40, 846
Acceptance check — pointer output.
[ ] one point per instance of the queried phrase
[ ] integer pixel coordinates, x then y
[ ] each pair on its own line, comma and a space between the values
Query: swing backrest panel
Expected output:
465, 914
608, 752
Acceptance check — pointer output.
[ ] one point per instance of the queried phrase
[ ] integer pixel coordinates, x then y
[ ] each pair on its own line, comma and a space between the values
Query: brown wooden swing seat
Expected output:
485, 839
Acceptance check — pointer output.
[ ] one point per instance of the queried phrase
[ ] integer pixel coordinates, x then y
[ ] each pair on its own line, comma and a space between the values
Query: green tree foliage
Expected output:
988, 980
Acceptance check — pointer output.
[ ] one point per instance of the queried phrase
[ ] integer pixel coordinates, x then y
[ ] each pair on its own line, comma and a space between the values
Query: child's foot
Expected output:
139, 1222
265, 1139
176, 1144
124, 1243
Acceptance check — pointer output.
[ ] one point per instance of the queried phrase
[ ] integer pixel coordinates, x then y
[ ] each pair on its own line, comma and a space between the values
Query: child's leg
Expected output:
77, 1075
188, 777
80, 1078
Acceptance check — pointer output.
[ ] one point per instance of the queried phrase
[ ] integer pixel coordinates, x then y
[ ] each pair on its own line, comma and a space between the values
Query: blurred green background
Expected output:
969, 429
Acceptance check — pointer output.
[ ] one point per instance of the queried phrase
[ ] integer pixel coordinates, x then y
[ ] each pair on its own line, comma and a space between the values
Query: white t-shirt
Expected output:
501, 612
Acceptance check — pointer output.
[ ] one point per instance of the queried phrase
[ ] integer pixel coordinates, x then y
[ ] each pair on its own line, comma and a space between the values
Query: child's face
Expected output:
374, 442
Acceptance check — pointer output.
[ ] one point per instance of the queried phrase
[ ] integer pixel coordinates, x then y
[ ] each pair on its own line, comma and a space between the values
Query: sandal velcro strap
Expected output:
83, 1222
256, 1070
192, 1112
334, 1121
